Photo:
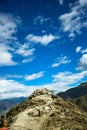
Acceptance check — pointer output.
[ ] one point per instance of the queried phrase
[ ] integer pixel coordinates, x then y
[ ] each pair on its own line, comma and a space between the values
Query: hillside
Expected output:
43, 111
76, 92
81, 102
7, 104
77, 95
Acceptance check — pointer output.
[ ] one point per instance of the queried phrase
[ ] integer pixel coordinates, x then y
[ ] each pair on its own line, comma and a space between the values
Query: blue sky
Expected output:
43, 43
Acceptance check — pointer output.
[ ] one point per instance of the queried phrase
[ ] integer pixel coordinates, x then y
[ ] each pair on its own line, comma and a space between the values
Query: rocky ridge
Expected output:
44, 111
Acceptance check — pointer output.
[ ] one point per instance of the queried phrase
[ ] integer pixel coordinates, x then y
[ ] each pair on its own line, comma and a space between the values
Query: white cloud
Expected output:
57, 87
84, 58
83, 2
40, 20
44, 40
78, 49
84, 51
61, 60
60, 2
29, 59
24, 77
61, 82
70, 23
25, 50
73, 21
11, 88
26, 53
9, 44
68, 78
6, 56
11, 76
34, 76
6, 59
83, 62
8, 27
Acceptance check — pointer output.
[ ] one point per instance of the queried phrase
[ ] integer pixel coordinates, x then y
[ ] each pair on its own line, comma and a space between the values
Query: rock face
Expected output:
43, 112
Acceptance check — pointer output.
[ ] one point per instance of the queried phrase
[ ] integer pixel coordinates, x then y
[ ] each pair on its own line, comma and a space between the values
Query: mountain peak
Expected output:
45, 111
39, 92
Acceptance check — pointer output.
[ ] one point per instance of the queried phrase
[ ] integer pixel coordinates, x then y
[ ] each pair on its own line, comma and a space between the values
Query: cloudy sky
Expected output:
43, 43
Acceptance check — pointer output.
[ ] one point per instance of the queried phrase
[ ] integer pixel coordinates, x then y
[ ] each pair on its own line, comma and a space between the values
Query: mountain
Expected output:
77, 95
7, 104
44, 111
76, 92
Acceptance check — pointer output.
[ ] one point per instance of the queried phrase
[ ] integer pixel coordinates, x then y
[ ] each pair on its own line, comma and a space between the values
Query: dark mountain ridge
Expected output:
77, 95
76, 92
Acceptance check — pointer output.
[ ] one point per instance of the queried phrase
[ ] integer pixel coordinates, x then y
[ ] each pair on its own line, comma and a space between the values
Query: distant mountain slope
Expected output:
77, 95
7, 104
81, 102
76, 92
42, 111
